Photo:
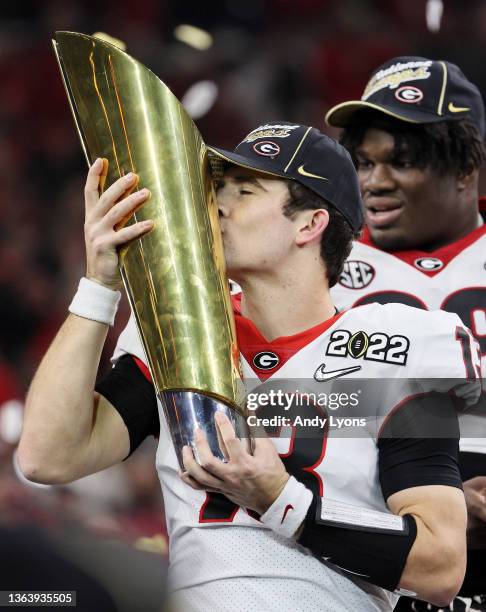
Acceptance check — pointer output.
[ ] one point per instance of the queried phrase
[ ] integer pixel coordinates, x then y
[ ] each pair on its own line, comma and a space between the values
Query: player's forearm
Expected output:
435, 568
436, 563
59, 410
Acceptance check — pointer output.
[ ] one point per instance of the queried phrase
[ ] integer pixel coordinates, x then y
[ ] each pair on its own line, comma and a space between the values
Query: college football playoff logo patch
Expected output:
357, 344
356, 274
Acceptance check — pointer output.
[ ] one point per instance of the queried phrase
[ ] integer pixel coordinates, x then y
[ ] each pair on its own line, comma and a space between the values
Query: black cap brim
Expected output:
262, 165
339, 115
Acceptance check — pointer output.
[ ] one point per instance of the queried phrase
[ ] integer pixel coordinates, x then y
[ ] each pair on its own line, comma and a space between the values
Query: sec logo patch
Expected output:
356, 274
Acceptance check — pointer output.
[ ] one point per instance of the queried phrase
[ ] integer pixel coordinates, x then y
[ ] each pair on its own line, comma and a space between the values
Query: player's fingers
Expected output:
91, 194
192, 482
132, 232
234, 448
124, 209
263, 447
113, 194
198, 472
482, 513
189, 480
257, 430
207, 460
478, 483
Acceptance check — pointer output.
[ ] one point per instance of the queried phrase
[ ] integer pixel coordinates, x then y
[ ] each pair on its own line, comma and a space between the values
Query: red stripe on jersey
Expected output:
143, 368
251, 341
445, 254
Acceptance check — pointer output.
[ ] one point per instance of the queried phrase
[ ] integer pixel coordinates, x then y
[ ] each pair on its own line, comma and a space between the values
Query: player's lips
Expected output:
382, 211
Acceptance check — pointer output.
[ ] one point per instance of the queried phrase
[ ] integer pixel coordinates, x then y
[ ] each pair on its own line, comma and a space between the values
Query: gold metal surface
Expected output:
174, 276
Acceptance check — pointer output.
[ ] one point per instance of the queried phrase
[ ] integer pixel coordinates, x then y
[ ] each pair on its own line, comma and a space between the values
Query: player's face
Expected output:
256, 235
405, 206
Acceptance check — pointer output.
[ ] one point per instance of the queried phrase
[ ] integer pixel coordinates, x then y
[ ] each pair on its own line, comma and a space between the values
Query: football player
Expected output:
337, 522
416, 138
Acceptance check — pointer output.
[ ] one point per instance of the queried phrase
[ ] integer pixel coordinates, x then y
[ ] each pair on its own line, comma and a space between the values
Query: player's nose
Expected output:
223, 202
378, 178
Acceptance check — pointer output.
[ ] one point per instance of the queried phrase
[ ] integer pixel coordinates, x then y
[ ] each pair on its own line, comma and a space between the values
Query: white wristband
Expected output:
288, 511
96, 302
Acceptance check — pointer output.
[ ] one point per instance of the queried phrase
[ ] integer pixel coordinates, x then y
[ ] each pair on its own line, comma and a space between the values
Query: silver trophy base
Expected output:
186, 411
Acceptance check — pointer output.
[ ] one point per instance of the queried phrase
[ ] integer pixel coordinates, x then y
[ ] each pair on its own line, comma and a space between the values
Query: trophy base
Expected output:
187, 411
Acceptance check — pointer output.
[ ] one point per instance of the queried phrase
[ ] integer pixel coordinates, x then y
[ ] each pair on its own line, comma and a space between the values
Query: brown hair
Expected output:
337, 238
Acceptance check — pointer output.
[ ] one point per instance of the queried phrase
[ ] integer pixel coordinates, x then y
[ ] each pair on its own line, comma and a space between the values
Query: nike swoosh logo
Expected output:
457, 109
304, 172
287, 508
322, 375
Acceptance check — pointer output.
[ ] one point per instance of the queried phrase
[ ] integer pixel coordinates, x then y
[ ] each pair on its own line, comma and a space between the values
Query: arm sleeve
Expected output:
405, 459
419, 445
133, 396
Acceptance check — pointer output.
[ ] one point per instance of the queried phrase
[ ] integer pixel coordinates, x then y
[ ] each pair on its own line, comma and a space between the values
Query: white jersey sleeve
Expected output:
129, 342
441, 352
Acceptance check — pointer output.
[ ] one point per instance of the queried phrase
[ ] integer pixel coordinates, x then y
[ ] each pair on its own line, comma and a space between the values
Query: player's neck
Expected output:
284, 307
472, 225
456, 230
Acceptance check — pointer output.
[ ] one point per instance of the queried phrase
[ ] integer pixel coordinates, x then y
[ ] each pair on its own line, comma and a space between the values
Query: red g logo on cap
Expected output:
409, 94
267, 148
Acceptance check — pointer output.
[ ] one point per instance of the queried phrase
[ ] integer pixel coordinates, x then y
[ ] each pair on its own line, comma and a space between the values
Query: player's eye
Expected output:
218, 184
364, 164
403, 164
245, 192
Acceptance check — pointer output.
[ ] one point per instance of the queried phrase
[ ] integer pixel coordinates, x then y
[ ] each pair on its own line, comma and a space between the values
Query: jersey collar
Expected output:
445, 254
251, 341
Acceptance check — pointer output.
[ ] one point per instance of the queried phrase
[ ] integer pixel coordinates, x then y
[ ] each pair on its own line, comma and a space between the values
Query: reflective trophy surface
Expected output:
174, 276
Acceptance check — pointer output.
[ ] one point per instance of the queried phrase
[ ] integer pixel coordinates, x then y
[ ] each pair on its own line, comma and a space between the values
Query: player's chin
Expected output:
391, 238
233, 269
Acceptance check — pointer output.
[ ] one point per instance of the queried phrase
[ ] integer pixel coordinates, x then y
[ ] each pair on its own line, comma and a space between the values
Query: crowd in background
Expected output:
270, 59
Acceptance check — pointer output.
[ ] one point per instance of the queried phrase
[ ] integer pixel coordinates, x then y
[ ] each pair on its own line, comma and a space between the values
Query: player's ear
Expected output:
310, 225
467, 179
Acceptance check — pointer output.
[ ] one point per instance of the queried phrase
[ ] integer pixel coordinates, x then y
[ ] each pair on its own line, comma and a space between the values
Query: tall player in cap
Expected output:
416, 138
337, 523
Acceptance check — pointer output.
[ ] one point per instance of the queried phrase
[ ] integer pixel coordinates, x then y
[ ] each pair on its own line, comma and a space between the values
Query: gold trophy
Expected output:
174, 276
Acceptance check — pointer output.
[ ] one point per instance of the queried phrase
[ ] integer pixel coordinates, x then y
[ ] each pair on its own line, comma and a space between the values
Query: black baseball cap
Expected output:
417, 90
303, 154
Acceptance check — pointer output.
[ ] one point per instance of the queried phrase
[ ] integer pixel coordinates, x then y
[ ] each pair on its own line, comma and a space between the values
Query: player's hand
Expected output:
475, 494
251, 481
103, 214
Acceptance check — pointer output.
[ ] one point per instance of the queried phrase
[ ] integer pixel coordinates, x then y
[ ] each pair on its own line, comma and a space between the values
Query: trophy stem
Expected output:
187, 411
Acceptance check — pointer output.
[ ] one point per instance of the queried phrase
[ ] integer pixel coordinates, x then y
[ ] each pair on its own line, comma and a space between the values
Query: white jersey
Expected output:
452, 278
222, 558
